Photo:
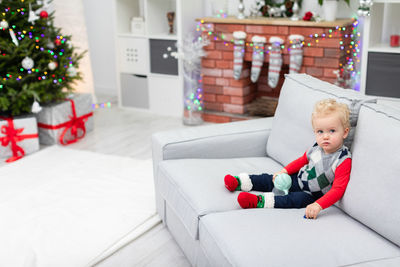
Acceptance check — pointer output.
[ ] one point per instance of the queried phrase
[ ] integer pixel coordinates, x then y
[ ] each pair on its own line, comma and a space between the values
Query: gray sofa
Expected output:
363, 229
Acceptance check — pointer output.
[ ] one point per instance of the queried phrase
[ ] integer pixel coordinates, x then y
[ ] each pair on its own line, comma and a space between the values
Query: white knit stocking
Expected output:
238, 53
275, 61
296, 52
258, 57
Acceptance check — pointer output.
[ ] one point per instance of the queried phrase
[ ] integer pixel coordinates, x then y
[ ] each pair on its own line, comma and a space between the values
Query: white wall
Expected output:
344, 11
100, 29
69, 16
99, 23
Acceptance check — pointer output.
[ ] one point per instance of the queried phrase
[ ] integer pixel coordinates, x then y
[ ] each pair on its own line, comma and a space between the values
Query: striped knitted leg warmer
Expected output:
258, 57
296, 52
275, 61
238, 53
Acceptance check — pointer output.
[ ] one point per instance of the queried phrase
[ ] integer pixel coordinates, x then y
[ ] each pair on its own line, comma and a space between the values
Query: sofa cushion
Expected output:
392, 262
292, 132
372, 195
195, 187
279, 237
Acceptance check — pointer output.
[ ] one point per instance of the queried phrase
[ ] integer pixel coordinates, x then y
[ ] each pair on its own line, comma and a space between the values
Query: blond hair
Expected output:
329, 106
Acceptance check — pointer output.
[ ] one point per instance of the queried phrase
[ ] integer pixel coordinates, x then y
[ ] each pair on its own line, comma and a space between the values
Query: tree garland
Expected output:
270, 8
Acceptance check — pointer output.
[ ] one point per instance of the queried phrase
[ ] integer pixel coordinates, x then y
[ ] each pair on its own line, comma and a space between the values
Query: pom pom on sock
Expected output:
247, 200
231, 183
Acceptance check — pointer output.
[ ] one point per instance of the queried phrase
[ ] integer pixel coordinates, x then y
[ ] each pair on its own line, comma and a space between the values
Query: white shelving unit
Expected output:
383, 22
144, 59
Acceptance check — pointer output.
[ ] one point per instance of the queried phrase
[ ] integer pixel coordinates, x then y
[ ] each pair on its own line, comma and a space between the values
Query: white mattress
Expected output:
63, 207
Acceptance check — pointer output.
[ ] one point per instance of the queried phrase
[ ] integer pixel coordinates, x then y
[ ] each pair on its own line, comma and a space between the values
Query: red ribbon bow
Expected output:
14, 136
76, 126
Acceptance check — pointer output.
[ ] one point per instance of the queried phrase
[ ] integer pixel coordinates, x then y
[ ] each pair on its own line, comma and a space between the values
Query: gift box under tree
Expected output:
67, 121
18, 136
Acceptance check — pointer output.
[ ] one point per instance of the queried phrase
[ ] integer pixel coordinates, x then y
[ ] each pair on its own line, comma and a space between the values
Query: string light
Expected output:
316, 39
101, 105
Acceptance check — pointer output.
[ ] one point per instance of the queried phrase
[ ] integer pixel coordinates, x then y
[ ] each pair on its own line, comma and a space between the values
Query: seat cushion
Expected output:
372, 195
279, 237
195, 187
292, 132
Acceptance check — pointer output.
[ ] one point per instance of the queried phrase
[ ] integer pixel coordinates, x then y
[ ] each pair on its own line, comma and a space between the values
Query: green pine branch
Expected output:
20, 87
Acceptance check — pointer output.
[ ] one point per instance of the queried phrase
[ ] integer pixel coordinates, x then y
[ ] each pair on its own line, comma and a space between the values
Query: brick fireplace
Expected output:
227, 99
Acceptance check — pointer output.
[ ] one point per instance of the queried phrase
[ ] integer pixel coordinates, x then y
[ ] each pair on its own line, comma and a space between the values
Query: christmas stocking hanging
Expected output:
258, 57
296, 52
275, 61
238, 53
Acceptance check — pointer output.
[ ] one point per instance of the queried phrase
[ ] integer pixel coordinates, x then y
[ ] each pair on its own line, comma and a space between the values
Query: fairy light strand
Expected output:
352, 51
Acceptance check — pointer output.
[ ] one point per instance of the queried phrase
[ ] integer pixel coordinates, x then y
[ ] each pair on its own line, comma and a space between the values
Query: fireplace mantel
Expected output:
277, 22
327, 47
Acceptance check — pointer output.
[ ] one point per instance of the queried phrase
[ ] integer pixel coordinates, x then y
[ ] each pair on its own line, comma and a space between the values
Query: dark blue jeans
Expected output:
295, 199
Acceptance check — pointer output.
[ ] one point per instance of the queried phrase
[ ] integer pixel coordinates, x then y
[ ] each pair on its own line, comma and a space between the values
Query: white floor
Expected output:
128, 133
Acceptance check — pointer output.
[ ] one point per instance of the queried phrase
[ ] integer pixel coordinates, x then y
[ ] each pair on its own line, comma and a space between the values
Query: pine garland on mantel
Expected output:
286, 5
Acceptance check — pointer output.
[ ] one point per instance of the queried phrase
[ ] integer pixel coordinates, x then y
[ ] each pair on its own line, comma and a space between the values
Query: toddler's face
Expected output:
329, 132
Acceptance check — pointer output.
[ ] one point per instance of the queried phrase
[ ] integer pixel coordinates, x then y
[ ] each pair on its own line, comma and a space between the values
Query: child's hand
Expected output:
312, 210
280, 172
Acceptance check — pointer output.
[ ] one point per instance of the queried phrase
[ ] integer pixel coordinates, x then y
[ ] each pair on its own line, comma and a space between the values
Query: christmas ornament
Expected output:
52, 65
57, 42
44, 14
27, 63
36, 108
69, 44
238, 53
258, 57
72, 71
50, 44
296, 53
32, 16
13, 37
275, 61
4, 24
364, 8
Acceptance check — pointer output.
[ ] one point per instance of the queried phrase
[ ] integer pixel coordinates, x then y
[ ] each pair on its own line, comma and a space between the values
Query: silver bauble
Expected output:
4, 24
71, 71
27, 63
52, 65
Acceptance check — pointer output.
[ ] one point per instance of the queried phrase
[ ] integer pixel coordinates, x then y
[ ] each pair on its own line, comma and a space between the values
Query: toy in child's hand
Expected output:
283, 182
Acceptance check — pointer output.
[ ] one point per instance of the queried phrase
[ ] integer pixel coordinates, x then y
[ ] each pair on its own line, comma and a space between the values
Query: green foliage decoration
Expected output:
42, 42
272, 3
321, 2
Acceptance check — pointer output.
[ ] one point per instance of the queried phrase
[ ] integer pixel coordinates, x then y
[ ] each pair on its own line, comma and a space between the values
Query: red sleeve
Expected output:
297, 164
342, 177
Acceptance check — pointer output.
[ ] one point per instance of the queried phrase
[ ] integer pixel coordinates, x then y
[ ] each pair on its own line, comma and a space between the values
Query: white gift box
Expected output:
18, 136
66, 122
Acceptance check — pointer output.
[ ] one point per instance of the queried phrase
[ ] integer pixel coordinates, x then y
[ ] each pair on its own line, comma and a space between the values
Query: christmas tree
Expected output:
37, 62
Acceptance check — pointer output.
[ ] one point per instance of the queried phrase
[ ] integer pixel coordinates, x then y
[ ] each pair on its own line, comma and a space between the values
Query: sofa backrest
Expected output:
292, 132
373, 193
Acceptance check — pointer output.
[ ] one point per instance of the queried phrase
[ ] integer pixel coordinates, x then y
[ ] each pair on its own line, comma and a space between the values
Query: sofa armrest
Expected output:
228, 140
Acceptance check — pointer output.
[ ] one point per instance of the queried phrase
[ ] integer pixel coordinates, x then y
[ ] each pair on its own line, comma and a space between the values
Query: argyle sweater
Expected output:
325, 176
